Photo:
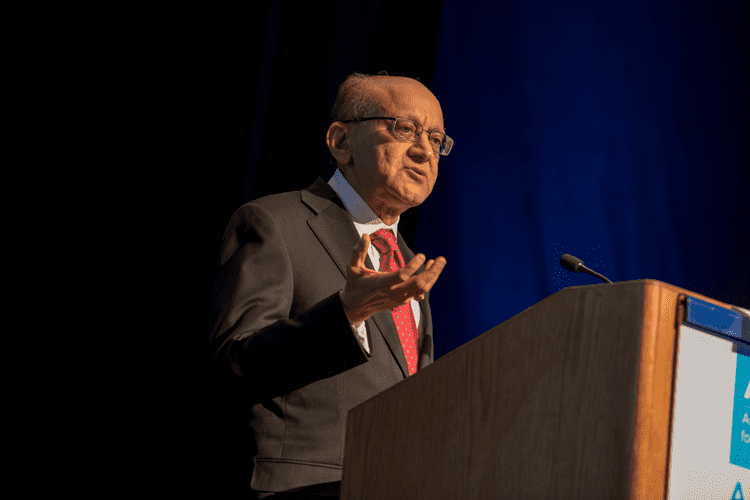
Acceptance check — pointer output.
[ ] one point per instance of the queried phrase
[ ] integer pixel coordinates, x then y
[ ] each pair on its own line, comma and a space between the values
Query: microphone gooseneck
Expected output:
576, 265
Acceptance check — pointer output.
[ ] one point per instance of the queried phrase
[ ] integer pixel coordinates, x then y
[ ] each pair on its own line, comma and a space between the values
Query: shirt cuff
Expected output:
360, 332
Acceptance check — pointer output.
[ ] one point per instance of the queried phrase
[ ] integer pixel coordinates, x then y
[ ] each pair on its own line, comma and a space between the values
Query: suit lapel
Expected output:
426, 351
334, 229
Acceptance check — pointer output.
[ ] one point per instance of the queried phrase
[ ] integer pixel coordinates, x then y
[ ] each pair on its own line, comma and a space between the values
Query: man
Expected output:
303, 328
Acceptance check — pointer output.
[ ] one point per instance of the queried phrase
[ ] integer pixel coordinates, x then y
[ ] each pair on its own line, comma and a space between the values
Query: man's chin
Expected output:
407, 195
412, 199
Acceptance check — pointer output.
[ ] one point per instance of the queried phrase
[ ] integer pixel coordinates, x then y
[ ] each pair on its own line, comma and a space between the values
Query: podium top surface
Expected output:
701, 312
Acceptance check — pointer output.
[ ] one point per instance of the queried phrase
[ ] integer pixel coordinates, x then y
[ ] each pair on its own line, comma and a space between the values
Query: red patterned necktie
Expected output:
392, 260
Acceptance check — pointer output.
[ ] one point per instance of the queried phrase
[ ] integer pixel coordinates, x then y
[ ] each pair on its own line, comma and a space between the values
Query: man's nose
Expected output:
421, 147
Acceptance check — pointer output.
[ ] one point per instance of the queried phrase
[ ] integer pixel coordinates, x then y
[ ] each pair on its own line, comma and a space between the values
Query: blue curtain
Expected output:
616, 133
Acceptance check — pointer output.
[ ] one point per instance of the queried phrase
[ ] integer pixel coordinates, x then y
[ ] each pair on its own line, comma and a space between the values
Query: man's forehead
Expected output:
407, 96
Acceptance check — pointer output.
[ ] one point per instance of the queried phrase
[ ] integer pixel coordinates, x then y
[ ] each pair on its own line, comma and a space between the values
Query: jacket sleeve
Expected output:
252, 336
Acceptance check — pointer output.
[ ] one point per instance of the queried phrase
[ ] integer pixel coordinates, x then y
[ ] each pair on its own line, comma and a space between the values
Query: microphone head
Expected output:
571, 263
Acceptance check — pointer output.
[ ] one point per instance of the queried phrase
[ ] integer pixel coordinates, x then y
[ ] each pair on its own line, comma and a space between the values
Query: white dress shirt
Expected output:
365, 221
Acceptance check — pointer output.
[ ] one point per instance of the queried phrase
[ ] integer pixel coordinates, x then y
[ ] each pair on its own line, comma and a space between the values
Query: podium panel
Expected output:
571, 398
710, 439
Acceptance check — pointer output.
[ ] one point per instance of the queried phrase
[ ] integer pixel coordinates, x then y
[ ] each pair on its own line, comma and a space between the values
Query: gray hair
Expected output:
357, 98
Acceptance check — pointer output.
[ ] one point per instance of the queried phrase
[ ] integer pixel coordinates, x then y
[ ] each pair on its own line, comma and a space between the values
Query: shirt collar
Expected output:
361, 212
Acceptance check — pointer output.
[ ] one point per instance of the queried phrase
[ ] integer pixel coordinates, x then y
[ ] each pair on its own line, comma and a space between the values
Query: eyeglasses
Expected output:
411, 131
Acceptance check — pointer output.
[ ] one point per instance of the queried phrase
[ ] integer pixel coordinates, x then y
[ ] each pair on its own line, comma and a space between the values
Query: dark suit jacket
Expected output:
285, 366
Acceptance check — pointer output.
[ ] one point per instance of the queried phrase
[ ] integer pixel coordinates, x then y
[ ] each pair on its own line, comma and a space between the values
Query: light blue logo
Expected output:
740, 450
737, 495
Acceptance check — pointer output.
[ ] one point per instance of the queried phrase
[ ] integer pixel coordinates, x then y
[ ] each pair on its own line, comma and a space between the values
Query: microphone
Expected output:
576, 265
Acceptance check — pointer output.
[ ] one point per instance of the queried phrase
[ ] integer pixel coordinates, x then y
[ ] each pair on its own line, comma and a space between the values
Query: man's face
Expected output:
391, 170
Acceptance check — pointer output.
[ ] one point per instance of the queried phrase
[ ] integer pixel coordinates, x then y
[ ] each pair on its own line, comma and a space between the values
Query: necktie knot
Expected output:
385, 241
384, 238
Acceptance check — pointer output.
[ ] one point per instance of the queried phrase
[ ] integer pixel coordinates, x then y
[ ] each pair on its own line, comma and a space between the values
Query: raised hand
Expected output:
367, 292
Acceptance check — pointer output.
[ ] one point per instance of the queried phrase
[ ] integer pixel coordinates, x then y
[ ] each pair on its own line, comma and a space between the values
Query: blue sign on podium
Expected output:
740, 454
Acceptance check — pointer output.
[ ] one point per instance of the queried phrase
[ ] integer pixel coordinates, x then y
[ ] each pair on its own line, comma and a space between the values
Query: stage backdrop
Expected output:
614, 132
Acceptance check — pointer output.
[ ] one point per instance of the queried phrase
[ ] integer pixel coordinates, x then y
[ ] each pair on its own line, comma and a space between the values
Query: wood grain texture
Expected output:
654, 401
542, 406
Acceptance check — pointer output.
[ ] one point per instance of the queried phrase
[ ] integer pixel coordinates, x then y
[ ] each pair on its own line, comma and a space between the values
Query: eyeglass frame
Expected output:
446, 138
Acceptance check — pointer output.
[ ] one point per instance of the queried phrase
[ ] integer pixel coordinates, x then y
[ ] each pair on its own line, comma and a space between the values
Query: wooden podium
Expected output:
572, 398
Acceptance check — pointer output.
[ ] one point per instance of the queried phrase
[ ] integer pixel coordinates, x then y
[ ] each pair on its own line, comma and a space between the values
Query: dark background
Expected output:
616, 133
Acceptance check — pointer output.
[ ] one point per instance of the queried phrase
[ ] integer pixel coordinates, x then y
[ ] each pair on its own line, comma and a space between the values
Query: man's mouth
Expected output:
416, 173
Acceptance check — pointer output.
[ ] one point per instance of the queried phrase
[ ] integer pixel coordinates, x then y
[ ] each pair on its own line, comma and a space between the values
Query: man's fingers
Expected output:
360, 251
431, 274
436, 268
365, 244
412, 266
425, 281
418, 285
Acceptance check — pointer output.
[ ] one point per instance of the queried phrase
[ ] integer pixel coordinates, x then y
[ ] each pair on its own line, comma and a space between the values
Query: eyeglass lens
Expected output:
410, 130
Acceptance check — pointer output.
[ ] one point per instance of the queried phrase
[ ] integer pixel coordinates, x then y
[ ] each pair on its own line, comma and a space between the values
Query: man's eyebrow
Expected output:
414, 117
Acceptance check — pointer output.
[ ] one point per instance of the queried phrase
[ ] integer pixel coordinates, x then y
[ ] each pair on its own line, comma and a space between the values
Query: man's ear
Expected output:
338, 142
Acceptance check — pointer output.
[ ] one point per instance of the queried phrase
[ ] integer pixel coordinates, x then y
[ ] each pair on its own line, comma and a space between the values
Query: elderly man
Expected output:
303, 328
